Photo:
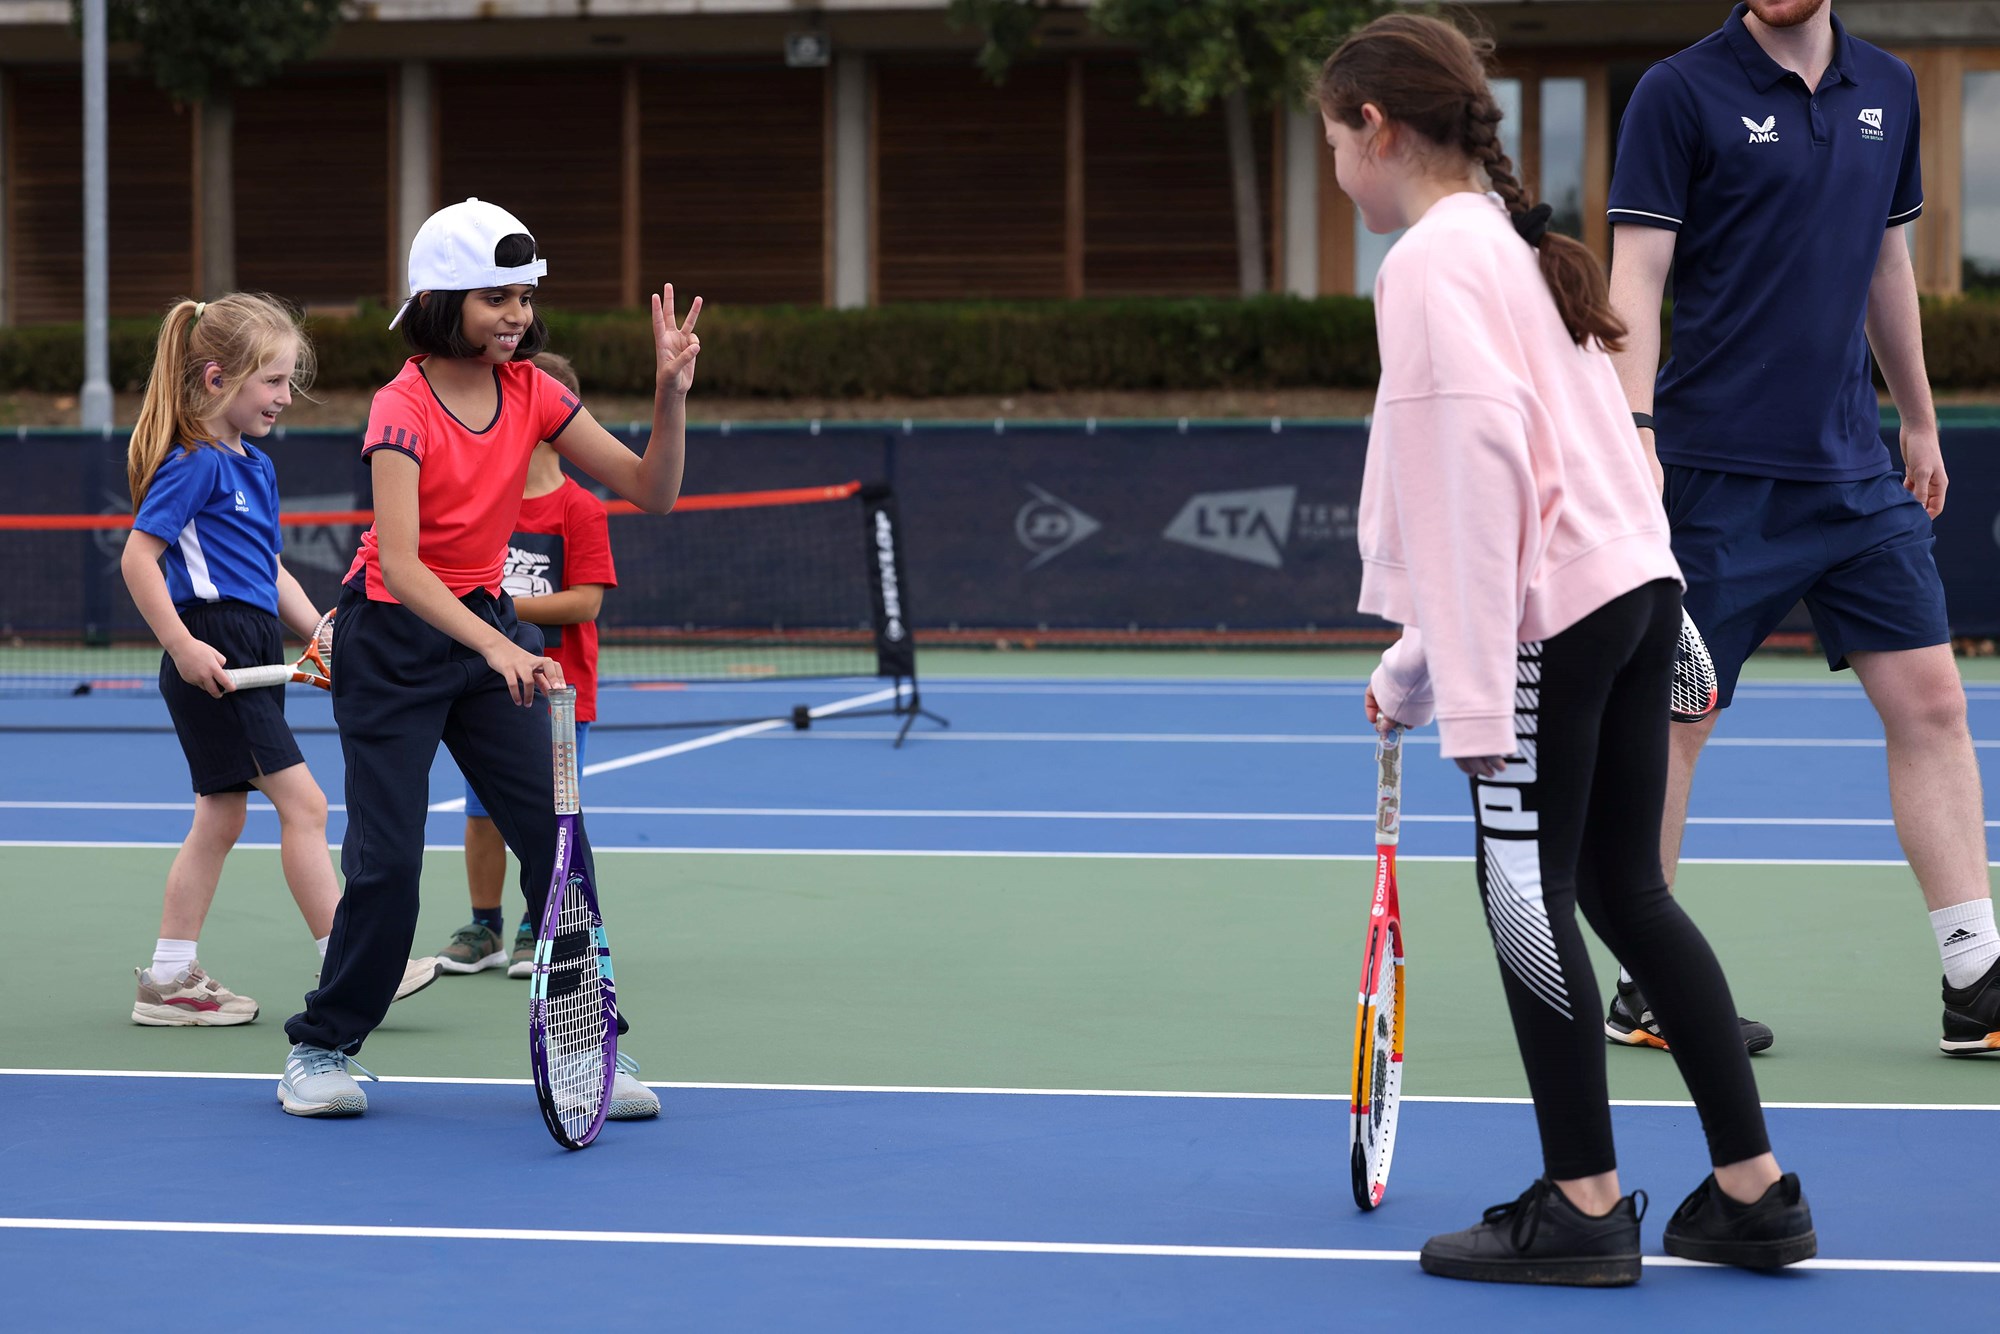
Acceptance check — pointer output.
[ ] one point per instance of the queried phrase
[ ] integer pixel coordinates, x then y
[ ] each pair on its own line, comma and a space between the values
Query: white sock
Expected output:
320, 945
171, 959
1967, 941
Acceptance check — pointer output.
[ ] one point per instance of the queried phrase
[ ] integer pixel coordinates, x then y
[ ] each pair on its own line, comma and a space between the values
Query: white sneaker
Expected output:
419, 974
316, 1083
194, 1001
630, 1100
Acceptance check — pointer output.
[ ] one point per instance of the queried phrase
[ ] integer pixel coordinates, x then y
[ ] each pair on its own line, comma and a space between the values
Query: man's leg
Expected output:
1933, 773
1684, 743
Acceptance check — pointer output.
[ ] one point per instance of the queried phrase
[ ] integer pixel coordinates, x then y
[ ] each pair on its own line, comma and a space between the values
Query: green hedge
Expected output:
925, 351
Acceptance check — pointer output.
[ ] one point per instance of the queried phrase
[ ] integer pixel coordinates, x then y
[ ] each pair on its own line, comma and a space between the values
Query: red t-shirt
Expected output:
561, 540
470, 484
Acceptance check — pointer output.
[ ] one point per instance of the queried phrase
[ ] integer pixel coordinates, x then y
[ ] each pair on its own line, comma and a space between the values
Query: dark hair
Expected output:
1428, 76
435, 323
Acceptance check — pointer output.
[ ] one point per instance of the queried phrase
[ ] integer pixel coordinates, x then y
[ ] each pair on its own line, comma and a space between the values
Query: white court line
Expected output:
760, 1240
921, 813
1222, 1095
712, 739
1299, 739
654, 850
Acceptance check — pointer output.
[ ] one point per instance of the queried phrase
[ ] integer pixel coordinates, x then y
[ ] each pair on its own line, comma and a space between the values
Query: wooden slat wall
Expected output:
151, 207
1158, 211
312, 157
972, 181
543, 142
732, 182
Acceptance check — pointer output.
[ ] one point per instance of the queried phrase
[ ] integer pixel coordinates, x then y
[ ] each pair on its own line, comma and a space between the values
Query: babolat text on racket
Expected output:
573, 1007
1378, 1018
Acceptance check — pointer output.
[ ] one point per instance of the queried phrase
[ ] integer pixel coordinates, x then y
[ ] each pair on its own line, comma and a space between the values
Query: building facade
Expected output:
841, 153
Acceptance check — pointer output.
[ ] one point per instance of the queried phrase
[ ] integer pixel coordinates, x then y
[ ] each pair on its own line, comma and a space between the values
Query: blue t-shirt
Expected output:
217, 511
1781, 196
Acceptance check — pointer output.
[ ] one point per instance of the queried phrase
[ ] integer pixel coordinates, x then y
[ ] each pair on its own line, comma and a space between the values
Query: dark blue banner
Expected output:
1147, 527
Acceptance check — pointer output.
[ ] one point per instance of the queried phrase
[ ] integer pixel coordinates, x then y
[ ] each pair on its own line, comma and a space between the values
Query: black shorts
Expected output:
231, 740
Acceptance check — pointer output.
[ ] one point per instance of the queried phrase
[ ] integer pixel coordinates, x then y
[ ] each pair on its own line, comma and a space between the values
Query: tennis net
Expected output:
793, 584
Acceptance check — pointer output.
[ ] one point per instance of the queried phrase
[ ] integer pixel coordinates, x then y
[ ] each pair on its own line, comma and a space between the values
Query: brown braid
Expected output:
1426, 75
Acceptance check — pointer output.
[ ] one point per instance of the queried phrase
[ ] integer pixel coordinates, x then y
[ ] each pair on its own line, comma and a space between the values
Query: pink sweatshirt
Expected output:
1506, 494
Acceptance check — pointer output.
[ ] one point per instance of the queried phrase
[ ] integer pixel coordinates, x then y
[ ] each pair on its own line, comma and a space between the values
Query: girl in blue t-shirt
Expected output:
202, 566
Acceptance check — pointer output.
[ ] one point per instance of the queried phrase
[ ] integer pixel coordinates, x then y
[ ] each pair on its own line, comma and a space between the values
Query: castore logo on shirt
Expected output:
1766, 133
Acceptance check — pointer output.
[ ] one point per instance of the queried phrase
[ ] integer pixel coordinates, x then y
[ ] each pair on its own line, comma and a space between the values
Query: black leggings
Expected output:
1574, 820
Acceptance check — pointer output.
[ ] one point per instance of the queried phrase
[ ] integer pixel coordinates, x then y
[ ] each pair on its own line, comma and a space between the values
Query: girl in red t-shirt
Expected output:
427, 647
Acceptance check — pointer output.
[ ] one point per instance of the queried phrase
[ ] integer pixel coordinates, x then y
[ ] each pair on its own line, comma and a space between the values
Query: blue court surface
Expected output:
801, 1206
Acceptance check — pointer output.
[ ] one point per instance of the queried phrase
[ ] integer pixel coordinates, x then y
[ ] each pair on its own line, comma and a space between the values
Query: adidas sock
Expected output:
493, 919
172, 958
1966, 938
320, 945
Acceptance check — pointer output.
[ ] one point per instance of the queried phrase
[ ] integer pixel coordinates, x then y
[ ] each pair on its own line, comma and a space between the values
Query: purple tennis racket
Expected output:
573, 1008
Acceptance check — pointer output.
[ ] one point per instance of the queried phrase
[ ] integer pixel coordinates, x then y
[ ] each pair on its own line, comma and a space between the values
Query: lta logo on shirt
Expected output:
1871, 124
1766, 133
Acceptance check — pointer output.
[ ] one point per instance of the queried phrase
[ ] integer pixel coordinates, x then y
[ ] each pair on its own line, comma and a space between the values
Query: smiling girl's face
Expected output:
254, 409
493, 319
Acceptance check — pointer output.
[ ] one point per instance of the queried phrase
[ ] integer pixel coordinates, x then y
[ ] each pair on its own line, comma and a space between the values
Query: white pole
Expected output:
96, 398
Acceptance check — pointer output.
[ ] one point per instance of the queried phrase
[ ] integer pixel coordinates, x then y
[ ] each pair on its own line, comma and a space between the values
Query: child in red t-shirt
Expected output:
558, 566
427, 647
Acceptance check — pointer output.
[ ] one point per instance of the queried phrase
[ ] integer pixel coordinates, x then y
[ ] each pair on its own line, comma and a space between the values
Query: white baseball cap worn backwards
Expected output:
454, 252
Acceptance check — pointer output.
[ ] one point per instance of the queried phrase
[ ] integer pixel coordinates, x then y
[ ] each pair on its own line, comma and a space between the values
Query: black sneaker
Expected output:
1630, 1023
1777, 1230
1972, 1016
1543, 1238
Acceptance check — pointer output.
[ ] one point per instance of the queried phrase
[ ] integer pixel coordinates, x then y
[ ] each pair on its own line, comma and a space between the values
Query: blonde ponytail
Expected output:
238, 333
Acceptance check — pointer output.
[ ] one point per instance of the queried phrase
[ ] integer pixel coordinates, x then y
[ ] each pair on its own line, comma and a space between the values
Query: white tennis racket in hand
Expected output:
1694, 691
314, 667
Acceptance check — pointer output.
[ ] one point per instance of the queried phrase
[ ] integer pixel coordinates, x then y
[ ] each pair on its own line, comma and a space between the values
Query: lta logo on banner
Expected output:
1242, 525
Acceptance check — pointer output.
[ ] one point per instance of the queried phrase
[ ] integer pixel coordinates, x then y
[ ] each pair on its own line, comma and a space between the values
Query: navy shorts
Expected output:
1857, 553
231, 740
475, 810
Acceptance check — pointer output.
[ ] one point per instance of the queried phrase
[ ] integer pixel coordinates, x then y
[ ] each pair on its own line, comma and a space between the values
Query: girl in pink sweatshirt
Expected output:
1510, 526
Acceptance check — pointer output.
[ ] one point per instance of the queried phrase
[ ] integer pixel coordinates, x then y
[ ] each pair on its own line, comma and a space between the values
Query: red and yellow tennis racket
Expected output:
1378, 1018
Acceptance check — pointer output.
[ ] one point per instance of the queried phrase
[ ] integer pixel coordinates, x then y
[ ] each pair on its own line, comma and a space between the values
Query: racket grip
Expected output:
1389, 788
246, 678
562, 735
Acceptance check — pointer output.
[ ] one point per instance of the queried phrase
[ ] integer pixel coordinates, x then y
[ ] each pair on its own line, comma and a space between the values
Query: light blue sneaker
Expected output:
630, 1100
316, 1083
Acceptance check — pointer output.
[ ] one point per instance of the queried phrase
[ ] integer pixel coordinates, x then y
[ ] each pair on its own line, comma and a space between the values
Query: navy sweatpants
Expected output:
400, 686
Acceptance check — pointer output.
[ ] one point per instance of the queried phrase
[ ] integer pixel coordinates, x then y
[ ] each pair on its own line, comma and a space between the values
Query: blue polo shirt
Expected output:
217, 511
1780, 195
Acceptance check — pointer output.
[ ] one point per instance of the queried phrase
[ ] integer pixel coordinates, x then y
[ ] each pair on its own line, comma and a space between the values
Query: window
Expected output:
1562, 153
1370, 250
1981, 188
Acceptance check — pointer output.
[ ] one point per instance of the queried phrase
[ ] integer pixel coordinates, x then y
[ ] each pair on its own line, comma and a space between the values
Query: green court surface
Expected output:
1000, 972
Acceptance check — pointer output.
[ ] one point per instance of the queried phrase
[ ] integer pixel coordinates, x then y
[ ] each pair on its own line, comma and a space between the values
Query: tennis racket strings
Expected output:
1694, 690
573, 1021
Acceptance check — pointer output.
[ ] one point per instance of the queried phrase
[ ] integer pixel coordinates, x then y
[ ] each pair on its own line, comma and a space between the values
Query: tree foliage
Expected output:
192, 47
1190, 54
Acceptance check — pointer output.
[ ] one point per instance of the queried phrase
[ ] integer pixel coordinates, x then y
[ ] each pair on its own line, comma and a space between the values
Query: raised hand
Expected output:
674, 346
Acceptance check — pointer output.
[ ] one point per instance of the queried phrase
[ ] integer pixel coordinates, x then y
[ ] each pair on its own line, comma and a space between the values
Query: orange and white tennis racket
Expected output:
314, 667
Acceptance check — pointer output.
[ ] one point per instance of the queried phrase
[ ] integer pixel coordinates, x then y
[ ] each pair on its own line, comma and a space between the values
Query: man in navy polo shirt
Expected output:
1773, 168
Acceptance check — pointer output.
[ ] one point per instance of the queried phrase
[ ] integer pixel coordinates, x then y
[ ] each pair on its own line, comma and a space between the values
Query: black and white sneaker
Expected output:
1630, 1023
1542, 1238
1775, 1231
1972, 1016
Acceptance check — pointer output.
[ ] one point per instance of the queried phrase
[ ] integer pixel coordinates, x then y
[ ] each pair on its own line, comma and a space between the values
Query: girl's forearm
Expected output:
295, 608
149, 594
572, 606
416, 587
661, 466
